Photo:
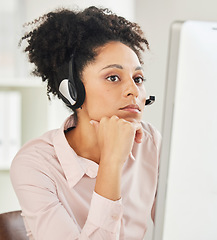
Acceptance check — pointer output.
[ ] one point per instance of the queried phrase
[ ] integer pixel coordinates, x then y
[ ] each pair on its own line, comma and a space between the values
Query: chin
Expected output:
133, 120
131, 117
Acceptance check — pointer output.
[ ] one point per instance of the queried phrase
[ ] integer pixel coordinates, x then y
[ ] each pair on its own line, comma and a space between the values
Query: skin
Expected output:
106, 128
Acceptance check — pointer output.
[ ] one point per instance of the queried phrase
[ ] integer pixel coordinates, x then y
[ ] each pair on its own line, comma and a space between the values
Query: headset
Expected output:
73, 92
150, 100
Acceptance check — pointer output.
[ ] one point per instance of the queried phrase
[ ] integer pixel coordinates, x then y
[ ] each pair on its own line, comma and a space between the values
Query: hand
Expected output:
116, 137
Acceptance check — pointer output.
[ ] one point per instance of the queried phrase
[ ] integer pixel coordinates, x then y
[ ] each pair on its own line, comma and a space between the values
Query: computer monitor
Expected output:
186, 207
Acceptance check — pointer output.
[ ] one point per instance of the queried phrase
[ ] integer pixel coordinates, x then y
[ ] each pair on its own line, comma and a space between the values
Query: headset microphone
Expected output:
150, 100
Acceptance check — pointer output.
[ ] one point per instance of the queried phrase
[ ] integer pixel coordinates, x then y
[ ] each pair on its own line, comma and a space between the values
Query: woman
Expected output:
96, 176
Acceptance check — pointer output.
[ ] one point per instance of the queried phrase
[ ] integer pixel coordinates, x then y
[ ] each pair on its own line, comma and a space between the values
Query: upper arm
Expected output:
43, 211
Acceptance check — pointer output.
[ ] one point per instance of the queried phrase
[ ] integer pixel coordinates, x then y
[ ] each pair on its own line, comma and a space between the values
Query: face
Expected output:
114, 84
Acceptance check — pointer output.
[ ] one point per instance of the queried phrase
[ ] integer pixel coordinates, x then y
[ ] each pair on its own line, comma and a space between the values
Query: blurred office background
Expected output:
32, 106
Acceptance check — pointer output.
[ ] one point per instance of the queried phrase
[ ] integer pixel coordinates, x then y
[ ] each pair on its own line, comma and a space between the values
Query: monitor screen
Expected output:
187, 191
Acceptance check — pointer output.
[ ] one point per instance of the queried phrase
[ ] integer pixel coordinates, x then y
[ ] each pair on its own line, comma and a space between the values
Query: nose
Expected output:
131, 89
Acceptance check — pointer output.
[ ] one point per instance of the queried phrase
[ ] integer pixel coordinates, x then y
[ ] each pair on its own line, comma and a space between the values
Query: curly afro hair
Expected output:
59, 34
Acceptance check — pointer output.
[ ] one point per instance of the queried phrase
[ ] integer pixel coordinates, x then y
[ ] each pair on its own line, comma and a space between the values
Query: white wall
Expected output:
155, 17
36, 7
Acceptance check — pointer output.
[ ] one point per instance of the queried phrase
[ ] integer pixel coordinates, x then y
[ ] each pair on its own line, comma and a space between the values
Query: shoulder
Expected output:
34, 156
42, 146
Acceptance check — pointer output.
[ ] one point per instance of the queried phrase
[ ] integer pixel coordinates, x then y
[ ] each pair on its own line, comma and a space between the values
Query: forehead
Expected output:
116, 53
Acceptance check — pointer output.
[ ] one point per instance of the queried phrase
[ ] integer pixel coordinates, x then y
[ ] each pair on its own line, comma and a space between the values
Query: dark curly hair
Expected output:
59, 34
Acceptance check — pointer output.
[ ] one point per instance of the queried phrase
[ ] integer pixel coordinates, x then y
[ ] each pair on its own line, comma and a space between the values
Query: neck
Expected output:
83, 140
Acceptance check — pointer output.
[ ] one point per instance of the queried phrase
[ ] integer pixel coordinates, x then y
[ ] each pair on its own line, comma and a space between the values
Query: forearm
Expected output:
115, 139
108, 182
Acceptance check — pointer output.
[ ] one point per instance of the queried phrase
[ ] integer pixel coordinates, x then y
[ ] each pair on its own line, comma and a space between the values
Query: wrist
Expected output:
115, 162
108, 182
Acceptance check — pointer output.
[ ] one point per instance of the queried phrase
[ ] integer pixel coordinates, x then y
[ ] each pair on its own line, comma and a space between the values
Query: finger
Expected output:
139, 135
95, 124
114, 117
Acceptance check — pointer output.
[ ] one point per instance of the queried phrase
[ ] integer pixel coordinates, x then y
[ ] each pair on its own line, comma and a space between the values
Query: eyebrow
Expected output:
113, 66
119, 67
139, 68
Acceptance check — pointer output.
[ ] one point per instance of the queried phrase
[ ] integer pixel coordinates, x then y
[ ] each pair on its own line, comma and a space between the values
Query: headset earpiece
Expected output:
68, 92
71, 91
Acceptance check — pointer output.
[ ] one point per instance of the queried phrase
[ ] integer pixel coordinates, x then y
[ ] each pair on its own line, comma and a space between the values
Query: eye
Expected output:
113, 78
139, 80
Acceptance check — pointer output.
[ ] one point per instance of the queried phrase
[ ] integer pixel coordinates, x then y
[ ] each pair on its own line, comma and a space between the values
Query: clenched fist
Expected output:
116, 136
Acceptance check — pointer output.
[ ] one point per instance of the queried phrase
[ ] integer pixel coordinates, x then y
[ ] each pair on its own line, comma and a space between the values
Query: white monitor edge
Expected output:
175, 33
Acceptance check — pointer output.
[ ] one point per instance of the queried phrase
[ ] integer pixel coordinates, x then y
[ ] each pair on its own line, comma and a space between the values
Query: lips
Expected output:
131, 107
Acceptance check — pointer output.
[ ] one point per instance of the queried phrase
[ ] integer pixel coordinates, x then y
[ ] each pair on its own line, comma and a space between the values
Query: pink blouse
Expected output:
55, 188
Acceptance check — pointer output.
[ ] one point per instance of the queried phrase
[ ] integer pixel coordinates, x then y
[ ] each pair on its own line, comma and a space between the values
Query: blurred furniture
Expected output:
12, 226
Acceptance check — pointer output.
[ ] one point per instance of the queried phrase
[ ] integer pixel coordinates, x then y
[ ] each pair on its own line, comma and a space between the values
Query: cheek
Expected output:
99, 98
142, 96
100, 104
